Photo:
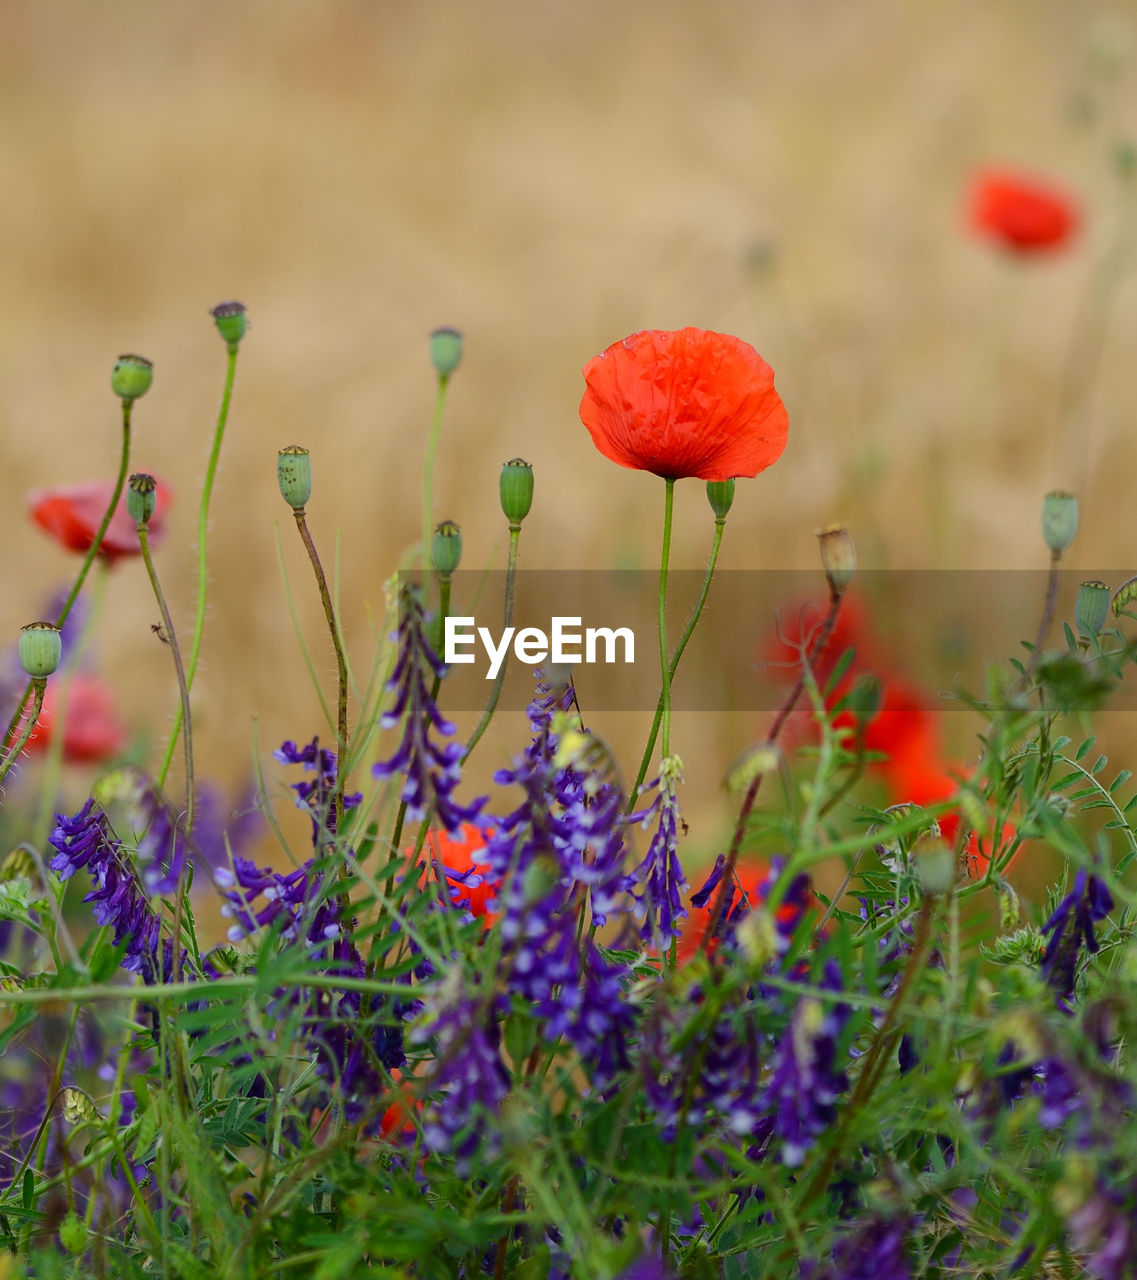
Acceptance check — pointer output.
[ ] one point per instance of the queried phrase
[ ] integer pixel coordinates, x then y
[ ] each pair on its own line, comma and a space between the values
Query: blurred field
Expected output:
549, 177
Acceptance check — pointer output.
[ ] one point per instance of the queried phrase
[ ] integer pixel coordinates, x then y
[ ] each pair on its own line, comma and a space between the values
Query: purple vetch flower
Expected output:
85, 842
431, 769
1070, 925
316, 797
1104, 1227
792, 906
468, 1070
806, 1080
659, 880
874, 1250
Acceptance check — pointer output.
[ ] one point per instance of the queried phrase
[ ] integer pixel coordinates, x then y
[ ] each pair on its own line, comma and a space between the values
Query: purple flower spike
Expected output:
659, 880
1071, 925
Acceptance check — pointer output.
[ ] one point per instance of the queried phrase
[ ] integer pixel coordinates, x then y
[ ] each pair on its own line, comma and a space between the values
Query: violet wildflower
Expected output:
659, 880
432, 769
793, 905
873, 1251
316, 797
806, 1080
1104, 1226
1070, 926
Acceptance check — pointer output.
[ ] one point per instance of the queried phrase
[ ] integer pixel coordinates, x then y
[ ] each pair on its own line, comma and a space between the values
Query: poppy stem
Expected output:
38, 688
688, 631
341, 661
428, 470
499, 681
89, 558
202, 543
664, 660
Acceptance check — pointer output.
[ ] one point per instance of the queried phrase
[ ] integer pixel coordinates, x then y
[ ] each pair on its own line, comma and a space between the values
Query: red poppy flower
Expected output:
72, 515
469, 882
1022, 214
92, 730
682, 403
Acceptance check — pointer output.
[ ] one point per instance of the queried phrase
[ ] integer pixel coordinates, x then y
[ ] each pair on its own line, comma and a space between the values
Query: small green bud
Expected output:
516, 488
141, 497
40, 649
1091, 608
446, 350
935, 866
131, 377
1126, 595
446, 549
720, 494
838, 557
294, 476
73, 1234
229, 317
1059, 520
865, 698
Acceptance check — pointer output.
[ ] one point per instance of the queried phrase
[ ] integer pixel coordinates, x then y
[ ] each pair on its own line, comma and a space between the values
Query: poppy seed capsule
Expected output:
1059, 520
294, 476
141, 497
865, 698
516, 487
40, 649
720, 494
229, 317
446, 350
1091, 608
838, 556
446, 549
1126, 594
131, 377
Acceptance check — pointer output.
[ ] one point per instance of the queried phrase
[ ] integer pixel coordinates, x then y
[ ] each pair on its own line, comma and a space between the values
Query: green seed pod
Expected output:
1091, 608
446, 350
720, 494
229, 317
294, 475
516, 488
131, 377
838, 556
141, 498
1126, 595
1059, 520
446, 549
40, 649
865, 698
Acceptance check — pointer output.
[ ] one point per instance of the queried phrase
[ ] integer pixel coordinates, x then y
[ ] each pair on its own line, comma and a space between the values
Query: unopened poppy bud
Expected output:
720, 494
1091, 608
446, 350
935, 866
131, 377
294, 475
516, 489
229, 317
446, 549
141, 497
40, 649
865, 698
1126, 595
838, 556
1059, 520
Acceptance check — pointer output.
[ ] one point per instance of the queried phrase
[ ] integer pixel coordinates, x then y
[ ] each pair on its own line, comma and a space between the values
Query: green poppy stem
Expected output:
664, 660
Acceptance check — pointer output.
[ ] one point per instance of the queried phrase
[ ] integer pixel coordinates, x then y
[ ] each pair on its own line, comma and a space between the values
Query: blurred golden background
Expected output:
548, 178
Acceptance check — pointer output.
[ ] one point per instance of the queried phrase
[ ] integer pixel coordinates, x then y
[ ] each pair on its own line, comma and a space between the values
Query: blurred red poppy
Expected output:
470, 884
72, 515
684, 402
92, 730
1022, 214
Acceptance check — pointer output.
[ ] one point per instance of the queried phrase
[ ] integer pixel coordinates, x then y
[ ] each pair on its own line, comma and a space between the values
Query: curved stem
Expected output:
664, 663
92, 551
499, 681
428, 470
688, 631
341, 661
443, 614
202, 541
38, 687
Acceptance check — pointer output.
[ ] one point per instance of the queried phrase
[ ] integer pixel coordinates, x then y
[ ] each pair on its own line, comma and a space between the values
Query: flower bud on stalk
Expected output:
131, 377
1091, 608
516, 488
720, 494
40, 649
838, 557
1059, 520
1126, 595
229, 317
294, 476
446, 350
141, 497
446, 549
